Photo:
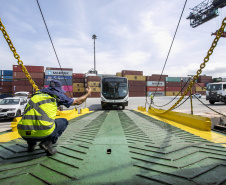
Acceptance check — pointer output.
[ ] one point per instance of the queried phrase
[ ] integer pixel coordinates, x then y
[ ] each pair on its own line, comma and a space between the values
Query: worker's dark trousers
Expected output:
61, 125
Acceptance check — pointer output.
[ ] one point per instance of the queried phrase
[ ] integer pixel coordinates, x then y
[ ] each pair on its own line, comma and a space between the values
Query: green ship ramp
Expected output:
117, 147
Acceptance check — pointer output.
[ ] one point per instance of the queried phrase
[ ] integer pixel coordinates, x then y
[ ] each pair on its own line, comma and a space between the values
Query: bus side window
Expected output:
224, 87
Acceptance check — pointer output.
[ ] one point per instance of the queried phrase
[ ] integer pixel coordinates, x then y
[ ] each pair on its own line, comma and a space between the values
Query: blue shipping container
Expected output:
6, 78
50, 77
6, 73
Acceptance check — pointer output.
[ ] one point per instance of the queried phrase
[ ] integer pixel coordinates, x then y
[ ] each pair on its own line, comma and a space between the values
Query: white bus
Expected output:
114, 92
216, 92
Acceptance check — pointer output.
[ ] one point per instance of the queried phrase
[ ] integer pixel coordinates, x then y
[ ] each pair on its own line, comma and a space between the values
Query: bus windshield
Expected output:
114, 89
214, 87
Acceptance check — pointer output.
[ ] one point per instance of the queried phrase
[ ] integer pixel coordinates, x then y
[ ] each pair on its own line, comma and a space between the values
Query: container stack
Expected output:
6, 77
94, 83
173, 86
78, 84
154, 86
205, 79
200, 88
21, 82
64, 75
137, 83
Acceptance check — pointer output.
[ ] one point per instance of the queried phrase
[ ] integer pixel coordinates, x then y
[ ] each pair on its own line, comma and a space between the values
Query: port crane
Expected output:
205, 11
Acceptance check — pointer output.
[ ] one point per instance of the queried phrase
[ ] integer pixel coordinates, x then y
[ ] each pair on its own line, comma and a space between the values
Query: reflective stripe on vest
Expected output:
33, 125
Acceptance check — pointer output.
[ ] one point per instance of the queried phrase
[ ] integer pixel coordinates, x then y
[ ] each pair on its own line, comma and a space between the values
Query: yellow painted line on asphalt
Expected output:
208, 135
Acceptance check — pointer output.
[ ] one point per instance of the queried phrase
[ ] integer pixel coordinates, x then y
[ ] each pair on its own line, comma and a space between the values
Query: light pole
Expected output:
94, 37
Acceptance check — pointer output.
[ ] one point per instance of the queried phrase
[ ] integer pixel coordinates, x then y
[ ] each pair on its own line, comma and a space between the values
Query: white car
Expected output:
12, 107
197, 95
23, 94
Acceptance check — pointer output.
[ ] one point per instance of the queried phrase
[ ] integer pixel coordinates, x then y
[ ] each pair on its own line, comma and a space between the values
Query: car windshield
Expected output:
9, 102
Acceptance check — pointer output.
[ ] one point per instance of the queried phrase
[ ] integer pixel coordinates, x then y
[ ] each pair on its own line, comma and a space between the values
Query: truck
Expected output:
114, 92
216, 92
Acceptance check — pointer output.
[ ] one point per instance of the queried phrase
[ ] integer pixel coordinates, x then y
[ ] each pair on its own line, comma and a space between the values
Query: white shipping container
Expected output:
58, 72
155, 83
157, 93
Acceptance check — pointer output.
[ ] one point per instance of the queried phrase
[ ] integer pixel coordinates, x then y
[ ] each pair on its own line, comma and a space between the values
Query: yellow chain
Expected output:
202, 66
16, 55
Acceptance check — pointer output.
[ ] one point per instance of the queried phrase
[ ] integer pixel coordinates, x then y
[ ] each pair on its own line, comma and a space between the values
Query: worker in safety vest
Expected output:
38, 123
151, 97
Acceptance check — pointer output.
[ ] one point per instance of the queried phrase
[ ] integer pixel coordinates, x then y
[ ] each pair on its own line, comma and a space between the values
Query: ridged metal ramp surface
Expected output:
117, 147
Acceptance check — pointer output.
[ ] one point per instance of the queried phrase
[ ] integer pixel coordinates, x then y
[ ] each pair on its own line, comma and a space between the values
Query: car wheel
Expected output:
212, 102
123, 107
18, 113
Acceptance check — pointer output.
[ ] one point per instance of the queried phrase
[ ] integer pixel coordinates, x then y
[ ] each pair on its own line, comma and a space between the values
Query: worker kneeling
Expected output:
38, 123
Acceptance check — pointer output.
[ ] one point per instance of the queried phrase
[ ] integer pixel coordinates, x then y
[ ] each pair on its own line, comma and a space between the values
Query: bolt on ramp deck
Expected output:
117, 147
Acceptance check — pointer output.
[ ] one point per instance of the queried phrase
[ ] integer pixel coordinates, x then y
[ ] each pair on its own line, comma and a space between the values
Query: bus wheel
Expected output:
212, 102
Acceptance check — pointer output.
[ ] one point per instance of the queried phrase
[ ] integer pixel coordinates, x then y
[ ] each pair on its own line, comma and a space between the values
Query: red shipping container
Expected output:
159, 88
137, 89
173, 84
6, 89
26, 82
173, 88
137, 94
94, 95
24, 88
3, 84
78, 75
156, 78
55, 68
35, 69
137, 83
78, 80
22, 75
192, 89
127, 72
93, 78
78, 94
200, 85
205, 81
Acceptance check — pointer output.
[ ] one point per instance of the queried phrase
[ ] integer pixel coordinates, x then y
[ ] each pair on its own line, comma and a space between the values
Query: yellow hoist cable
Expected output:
16, 55
202, 66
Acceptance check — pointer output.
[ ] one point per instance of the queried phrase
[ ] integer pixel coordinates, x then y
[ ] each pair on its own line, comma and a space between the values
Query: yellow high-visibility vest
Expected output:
39, 116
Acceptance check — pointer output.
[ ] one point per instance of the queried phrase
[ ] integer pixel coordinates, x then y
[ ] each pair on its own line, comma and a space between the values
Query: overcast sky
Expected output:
131, 35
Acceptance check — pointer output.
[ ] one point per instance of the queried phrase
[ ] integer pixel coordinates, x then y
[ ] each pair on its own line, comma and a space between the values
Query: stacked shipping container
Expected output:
78, 84
156, 85
137, 82
6, 77
64, 75
94, 83
173, 86
20, 81
200, 88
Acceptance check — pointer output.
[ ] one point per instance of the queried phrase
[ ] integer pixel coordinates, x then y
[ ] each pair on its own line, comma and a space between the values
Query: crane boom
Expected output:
205, 11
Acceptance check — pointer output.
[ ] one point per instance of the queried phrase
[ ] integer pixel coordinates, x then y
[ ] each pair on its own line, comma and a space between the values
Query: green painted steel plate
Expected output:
117, 147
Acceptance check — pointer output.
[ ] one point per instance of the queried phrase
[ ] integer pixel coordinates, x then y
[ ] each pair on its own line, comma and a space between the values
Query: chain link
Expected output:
199, 71
16, 55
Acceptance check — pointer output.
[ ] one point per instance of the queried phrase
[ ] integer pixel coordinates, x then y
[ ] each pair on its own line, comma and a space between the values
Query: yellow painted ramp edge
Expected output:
68, 114
205, 134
